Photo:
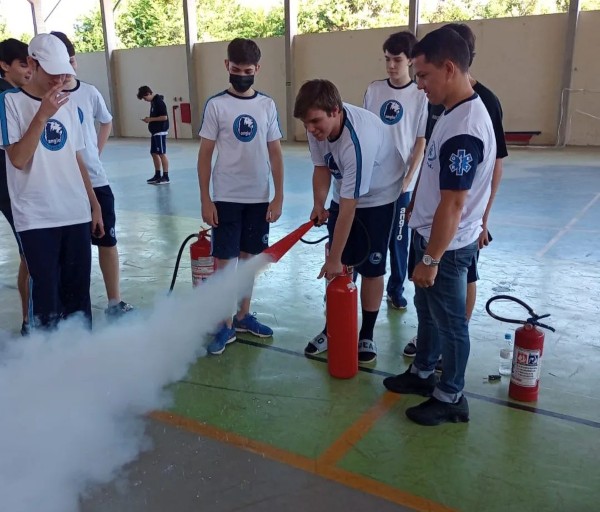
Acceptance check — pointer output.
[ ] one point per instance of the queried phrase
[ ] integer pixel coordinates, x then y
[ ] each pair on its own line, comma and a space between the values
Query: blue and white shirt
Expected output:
49, 192
403, 110
460, 155
91, 107
363, 159
241, 127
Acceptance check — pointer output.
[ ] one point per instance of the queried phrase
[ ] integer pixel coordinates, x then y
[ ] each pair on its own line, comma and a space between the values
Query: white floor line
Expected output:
568, 227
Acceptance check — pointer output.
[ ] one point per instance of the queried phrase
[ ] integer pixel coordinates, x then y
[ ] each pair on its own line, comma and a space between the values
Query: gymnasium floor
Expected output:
262, 428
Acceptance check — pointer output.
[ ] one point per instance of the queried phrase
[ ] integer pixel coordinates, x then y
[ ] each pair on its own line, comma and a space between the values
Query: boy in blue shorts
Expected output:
243, 125
352, 146
158, 126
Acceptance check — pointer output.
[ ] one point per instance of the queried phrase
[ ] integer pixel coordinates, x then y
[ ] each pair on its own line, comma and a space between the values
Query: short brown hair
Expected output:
318, 94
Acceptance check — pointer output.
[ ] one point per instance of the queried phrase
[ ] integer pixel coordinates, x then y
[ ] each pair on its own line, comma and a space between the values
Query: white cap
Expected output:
52, 54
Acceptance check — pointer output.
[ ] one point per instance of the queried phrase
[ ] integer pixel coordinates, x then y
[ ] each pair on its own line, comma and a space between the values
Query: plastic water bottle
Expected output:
506, 355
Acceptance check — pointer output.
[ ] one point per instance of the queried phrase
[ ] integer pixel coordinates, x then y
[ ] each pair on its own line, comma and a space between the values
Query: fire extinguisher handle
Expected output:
532, 320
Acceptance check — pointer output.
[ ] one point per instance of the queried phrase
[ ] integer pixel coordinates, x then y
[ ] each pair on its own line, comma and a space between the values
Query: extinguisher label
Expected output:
202, 268
526, 367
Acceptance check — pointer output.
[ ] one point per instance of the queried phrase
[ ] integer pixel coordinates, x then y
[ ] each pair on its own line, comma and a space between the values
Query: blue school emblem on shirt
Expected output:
244, 128
80, 113
54, 136
333, 167
460, 162
431, 154
391, 112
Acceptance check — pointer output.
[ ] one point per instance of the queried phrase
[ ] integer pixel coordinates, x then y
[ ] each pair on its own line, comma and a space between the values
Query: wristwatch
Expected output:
428, 261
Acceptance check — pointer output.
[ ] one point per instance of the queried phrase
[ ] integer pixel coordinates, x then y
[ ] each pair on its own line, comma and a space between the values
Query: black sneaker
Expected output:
435, 412
24, 329
411, 384
164, 180
118, 309
154, 180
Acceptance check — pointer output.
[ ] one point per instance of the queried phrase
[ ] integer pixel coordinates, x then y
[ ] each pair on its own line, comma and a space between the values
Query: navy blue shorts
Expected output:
59, 262
370, 224
243, 227
107, 203
7, 211
158, 144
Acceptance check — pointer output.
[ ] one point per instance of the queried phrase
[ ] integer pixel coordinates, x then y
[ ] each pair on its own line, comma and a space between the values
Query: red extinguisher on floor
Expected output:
342, 326
203, 264
527, 353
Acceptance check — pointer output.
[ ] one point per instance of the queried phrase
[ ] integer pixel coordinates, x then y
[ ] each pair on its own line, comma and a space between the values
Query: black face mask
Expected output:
241, 83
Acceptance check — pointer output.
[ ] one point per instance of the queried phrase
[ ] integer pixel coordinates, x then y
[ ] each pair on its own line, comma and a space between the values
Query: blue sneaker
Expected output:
397, 303
250, 324
224, 337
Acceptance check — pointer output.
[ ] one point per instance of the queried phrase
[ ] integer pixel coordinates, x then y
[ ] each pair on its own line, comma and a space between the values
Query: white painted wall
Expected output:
520, 59
212, 76
164, 70
91, 68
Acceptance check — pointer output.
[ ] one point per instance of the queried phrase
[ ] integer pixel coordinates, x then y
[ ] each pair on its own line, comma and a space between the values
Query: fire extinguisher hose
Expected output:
367, 238
532, 320
193, 235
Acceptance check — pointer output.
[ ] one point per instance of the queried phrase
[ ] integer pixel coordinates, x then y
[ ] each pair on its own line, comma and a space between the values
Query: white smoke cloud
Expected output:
72, 402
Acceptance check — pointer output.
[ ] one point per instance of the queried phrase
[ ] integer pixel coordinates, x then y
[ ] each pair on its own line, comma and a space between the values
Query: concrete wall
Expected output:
91, 68
164, 70
520, 59
584, 121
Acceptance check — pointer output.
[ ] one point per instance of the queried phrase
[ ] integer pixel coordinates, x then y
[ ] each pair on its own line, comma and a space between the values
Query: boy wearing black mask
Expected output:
243, 125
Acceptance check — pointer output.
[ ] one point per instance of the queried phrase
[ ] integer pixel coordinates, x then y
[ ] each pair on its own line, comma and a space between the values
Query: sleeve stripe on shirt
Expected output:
358, 157
206, 105
3, 123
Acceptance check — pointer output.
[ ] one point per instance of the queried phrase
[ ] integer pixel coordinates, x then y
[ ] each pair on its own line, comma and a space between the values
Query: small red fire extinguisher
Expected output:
527, 354
203, 264
342, 326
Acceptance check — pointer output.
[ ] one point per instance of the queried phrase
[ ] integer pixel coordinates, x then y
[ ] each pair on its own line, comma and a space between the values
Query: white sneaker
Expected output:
410, 350
317, 345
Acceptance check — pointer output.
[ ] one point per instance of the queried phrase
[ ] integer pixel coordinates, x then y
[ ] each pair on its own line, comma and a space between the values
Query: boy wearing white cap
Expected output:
49, 187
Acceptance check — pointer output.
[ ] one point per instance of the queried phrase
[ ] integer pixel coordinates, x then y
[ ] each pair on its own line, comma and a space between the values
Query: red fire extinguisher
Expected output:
342, 326
527, 353
203, 264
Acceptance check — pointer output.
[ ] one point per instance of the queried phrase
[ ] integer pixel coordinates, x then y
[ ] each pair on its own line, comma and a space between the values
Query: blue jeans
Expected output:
443, 327
399, 243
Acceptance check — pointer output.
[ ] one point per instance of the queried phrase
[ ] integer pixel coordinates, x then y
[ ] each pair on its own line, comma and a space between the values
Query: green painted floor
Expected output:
546, 251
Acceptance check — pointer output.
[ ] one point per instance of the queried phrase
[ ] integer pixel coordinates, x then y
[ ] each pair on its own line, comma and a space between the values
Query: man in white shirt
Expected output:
49, 187
453, 192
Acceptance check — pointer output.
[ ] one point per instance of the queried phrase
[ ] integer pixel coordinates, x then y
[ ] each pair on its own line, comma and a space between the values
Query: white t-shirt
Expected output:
363, 160
49, 192
91, 107
241, 127
460, 156
404, 111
